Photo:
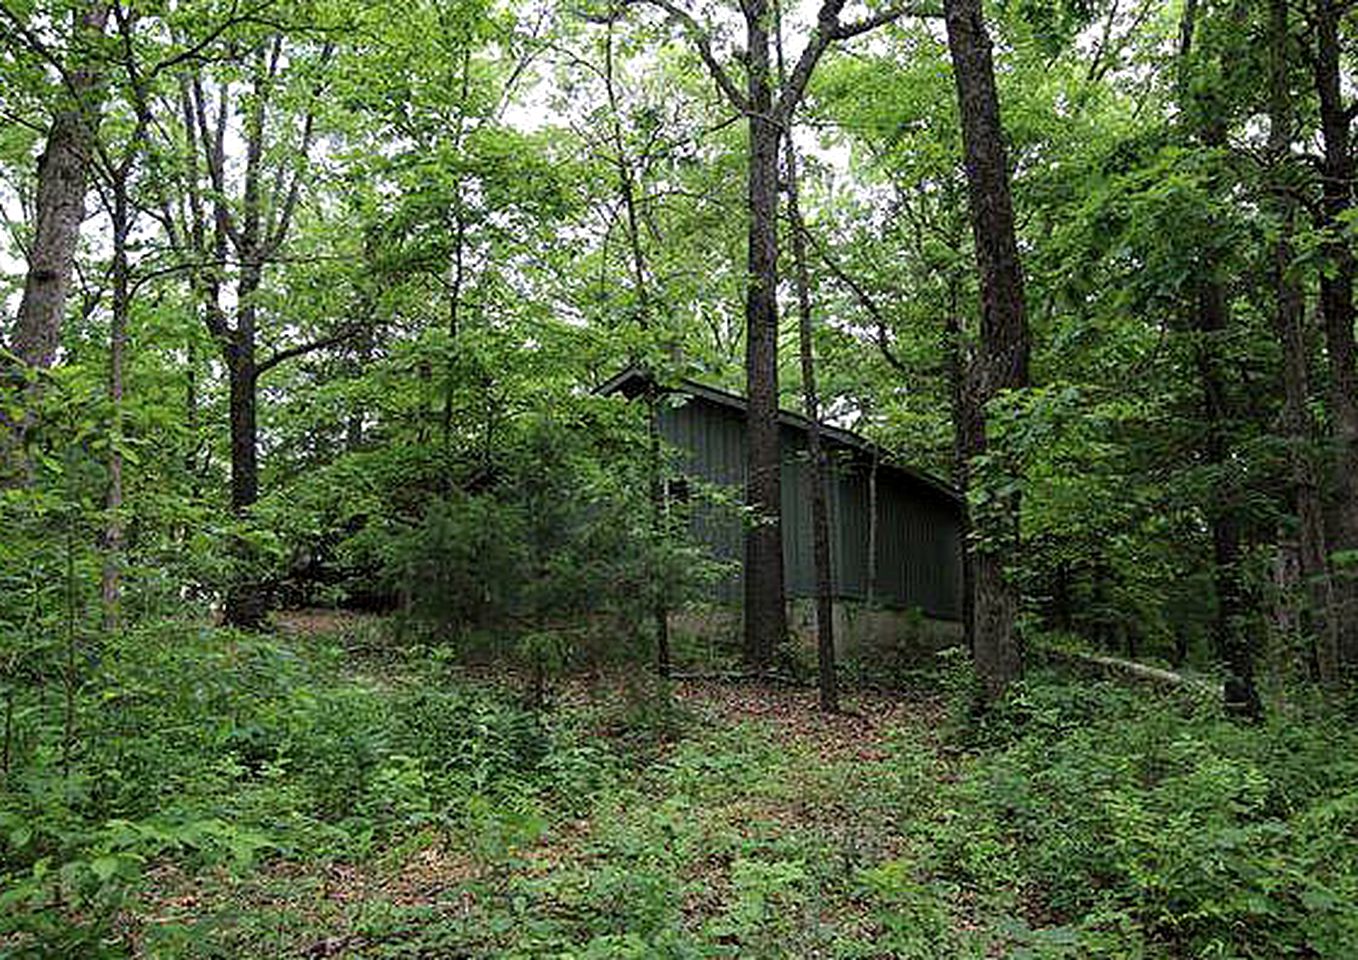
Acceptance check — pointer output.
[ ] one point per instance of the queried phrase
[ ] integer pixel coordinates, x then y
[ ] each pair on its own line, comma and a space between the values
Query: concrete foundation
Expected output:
861, 632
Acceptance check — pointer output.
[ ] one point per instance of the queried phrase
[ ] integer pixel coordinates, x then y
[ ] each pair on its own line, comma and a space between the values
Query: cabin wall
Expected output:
919, 529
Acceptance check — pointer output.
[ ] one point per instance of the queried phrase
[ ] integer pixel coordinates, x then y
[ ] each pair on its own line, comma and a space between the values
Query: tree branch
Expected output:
291, 353
868, 302
829, 29
233, 19
214, 155
703, 41
275, 234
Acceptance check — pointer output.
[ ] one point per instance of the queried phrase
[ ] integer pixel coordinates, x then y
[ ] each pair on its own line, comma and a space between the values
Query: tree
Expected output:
820, 470
59, 207
768, 111
1321, 620
1336, 296
219, 234
1206, 121
1003, 360
63, 175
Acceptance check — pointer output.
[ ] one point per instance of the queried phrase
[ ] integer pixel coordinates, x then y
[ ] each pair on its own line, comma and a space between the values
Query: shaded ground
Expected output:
752, 834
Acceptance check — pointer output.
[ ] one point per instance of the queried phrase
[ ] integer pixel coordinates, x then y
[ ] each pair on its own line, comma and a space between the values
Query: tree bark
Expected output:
1336, 305
820, 472
765, 609
1004, 333
1317, 620
246, 598
63, 176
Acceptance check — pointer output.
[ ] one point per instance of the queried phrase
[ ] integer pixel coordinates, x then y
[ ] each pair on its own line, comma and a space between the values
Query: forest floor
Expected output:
746, 838
335, 792
754, 826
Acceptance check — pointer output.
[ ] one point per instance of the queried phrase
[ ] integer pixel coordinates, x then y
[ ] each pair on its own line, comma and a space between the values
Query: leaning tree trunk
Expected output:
63, 174
1003, 353
765, 611
1336, 303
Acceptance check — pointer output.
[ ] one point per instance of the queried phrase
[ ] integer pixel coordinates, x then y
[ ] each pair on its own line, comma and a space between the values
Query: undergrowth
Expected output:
231, 795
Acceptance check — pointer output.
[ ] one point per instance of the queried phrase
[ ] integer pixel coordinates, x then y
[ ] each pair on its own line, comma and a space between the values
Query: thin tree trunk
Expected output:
968, 432
459, 248
627, 189
820, 468
660, 613
1004, 332
1336, 303
111, 574
874, 527
820, 474
765, 608
1318, 620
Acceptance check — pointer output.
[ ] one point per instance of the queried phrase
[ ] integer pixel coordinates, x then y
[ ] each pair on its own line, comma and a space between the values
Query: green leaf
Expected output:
105, 867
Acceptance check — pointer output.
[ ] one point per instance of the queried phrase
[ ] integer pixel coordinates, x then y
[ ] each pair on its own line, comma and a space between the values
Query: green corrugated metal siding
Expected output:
919, 529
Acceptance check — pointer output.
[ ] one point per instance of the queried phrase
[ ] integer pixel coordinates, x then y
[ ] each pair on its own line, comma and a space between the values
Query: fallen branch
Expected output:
1128, 669
736, 676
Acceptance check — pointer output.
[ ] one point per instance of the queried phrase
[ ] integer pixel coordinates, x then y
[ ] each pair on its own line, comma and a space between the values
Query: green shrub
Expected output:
1132, 817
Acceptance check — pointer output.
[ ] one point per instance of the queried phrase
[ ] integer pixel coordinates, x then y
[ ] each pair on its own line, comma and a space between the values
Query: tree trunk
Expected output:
63, 174
765, 610
1336, 304
660, 610
1228, 633
247, 598
111, 573
459, 267
627, 190
968, 432
1212, 323
820, 473
1004, 332
1318, 621
874, 525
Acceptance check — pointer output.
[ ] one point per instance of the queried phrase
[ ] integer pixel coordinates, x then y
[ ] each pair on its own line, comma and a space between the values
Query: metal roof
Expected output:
633, 380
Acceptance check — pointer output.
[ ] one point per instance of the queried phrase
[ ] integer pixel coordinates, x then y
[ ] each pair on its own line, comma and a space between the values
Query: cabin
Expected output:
895, 531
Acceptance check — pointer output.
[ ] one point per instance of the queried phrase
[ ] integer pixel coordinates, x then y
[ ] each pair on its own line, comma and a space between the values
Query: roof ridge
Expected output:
730, 398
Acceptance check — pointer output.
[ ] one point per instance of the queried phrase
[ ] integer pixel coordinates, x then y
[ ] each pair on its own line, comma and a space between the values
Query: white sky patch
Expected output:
12, 262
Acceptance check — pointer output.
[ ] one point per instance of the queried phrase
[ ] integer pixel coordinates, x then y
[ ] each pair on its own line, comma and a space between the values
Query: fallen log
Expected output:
1128, 669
